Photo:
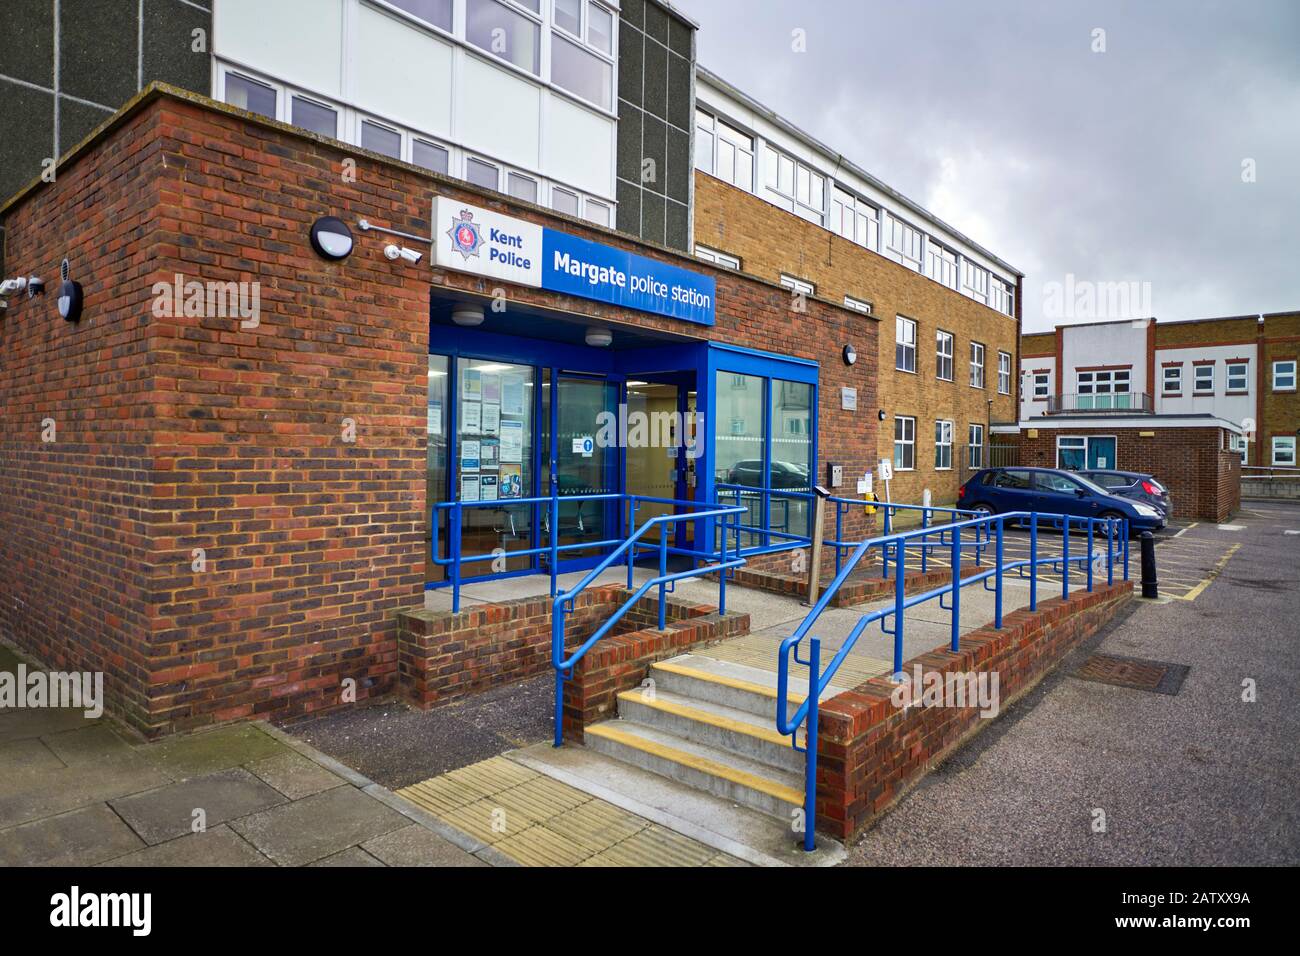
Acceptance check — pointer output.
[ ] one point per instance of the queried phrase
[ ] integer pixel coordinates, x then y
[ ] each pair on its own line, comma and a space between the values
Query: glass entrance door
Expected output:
583, 465
661, 453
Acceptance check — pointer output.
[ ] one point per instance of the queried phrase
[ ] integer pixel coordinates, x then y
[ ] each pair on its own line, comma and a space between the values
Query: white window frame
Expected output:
1242, 368
975, 445
977, 354
905, 444
800, 286
1003, 297
975, 281
941, 264
904, 337
722, 259
1284, 369
905, 243
857, 305
790, 201
1197, 378
940, 356
1172, 385
1004, 373
1042, 380
943, 445
864, 217
1102, 385
1286, 444
734, 134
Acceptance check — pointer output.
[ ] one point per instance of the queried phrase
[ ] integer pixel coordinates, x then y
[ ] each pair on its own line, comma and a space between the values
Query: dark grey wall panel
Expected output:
99, 49
169, 53
27, 43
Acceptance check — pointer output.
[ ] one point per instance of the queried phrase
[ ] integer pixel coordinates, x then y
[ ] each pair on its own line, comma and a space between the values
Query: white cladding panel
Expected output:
1111, 343
580, 147
402, 74
298, 41
1028, 407
500, 114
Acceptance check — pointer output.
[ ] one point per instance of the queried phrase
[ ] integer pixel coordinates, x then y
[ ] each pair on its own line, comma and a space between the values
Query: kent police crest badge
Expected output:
464, 234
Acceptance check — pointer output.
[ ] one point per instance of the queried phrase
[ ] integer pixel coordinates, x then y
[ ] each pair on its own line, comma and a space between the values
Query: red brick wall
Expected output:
179, 433
1202, 477
870, 752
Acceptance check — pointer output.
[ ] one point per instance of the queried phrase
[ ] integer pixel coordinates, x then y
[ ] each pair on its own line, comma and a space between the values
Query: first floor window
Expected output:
564, 200
1238, 376
316, 117
482, 173
1283, 450
975, 450
1203, 380
942, 445
1041, 386
943, 355
1004, 373
857, 305
904, 443
430, 156
1284, 376
381, 139
250, 95
1106, 388
904, 344
716, 257
798, 286
503, 31
1173, 379
976, 365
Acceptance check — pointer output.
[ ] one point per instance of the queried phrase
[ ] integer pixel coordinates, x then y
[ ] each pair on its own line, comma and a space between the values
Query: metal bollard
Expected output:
1149, 588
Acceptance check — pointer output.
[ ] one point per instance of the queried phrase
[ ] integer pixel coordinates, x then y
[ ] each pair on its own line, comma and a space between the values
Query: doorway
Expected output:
662, 447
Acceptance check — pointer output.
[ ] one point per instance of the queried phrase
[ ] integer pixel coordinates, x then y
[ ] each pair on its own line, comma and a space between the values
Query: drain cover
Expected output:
1137, 673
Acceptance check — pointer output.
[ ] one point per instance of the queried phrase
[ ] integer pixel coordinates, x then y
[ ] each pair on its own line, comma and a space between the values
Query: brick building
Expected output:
226, 518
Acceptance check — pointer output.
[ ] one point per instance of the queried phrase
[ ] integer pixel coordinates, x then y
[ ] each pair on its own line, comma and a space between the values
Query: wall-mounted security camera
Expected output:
401, 252
11, 286
35, 287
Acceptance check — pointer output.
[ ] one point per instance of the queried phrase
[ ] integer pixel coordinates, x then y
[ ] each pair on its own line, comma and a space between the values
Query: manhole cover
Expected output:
1137, 673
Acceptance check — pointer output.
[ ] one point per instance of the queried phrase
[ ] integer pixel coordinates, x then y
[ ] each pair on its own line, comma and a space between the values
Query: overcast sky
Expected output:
1116, 166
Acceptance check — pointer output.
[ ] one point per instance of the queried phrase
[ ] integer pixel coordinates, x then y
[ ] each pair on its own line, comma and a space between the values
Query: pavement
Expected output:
1085, 773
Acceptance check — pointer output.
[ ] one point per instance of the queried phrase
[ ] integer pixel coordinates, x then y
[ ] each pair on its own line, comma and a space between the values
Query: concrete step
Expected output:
737, 686
731, 776
726, 728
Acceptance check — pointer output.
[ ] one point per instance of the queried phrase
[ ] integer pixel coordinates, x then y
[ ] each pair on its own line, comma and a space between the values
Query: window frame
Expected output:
1283, 441
797, 285
901, 324
901, 227
904, 444
1004, 374
723, 260
858, 305
1165, 390
1196, 378
1047, 386
1274, 375
942, 427
815, 214
857, 209
717, 125
972, 430
1243, 365
939, 355
977, 367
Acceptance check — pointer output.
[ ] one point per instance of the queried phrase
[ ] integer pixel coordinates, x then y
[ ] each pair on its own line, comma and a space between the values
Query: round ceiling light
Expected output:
331, 238
599, 338
467, 315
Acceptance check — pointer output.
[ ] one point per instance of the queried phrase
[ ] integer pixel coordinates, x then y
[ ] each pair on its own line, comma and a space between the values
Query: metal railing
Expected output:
1269, 472
564, 602
1101, 402
992, 528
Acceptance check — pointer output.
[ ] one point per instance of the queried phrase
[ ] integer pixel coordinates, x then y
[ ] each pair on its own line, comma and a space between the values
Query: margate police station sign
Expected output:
471, 239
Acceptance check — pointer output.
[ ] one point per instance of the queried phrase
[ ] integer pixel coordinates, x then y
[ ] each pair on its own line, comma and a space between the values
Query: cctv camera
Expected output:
9, 286
35, 287
401, 252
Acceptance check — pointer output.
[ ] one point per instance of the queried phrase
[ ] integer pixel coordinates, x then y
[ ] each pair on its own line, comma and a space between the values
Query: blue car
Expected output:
1047, 490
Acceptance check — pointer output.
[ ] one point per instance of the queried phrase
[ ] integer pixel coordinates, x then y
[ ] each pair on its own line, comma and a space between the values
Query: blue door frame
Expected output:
686, 363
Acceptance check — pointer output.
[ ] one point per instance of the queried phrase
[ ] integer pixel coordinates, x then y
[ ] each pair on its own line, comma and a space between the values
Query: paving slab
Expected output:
209, 750
81, 838
318, 826
28, 796
168, 812
28, 754
294, 775
18, 723
415, 845
352, 856
94, 743
220, 846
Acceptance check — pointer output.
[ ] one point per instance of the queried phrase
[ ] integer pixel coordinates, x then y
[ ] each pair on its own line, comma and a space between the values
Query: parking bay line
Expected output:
1195, 592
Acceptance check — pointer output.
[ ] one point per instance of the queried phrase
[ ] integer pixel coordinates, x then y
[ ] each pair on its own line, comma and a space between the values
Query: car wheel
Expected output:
981, 509
1105, 515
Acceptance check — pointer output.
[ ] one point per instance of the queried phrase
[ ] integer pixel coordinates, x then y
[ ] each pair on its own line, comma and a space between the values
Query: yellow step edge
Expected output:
733, 682
770, 735
714, 769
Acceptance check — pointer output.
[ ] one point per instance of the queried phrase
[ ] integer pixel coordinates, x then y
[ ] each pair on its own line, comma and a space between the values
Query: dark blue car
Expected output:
1047, 490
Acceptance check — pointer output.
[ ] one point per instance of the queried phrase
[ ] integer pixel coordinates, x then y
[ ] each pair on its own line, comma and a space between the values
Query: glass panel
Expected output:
437, 12
381, 139
564, 201
481, 174
250, 95
523, 187
512, 36
653, 463
703, 149
495, 442
568, 16
582, 467
315, 117
581, 73
600, 29
598, 212
738, 436
791, 468
430, 156
436, 468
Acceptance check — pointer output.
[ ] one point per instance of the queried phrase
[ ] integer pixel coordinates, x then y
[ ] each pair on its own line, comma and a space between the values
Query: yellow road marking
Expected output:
732, 682
770, 787
768, 734
1195, 592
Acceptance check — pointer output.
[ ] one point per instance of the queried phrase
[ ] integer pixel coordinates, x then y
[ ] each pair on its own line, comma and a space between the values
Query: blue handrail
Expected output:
564, 601
993, 528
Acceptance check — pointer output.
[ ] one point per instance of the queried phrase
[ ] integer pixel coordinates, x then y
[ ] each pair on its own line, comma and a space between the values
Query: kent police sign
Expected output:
482, 242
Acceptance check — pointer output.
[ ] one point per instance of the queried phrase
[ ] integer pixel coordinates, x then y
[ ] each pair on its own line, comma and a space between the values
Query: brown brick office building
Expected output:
224, 510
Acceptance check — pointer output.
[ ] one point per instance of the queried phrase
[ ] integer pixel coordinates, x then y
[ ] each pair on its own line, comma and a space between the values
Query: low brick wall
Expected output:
622, 662
442, 656
870, 752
